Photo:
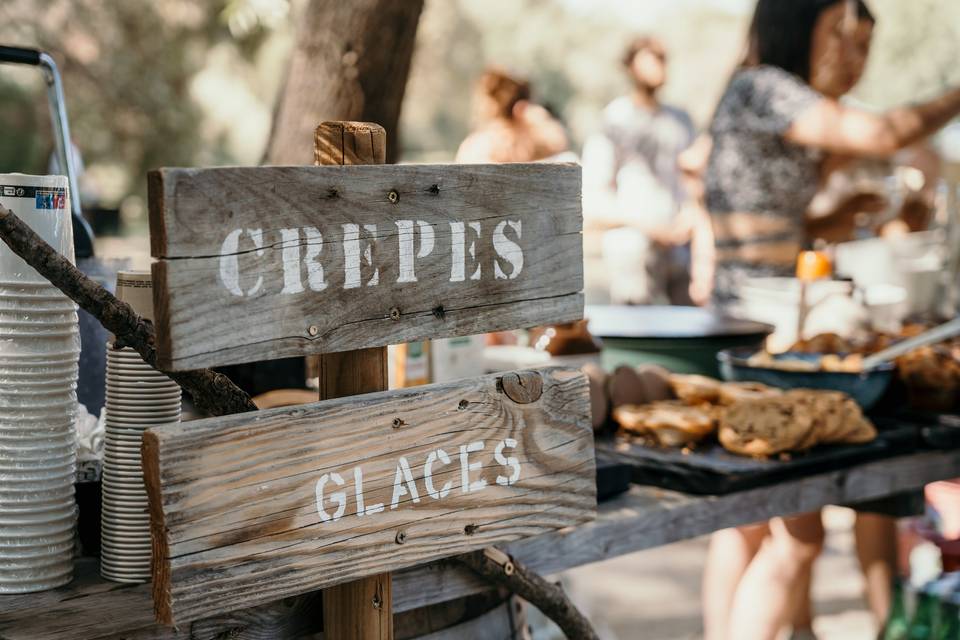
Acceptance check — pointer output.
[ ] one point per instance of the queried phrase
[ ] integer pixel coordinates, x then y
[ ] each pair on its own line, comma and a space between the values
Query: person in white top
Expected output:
634, 191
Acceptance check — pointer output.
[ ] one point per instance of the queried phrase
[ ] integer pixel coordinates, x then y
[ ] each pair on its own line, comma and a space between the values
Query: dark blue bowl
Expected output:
866, 388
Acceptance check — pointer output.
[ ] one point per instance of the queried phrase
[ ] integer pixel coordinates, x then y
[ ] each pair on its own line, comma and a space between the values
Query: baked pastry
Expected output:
694, 389
733, 392
670, 423
766, 427
637, 385
823, 343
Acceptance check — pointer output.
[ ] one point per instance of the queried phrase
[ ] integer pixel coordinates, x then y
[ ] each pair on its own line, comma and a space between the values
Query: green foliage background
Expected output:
192, 82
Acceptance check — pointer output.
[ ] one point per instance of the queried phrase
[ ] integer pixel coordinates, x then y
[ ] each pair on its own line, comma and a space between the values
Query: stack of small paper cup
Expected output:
138, 397
39, 350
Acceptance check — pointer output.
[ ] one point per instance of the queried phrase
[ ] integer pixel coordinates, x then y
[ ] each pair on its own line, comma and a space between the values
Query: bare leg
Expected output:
730, 552
765, 601
802, 606
876, 537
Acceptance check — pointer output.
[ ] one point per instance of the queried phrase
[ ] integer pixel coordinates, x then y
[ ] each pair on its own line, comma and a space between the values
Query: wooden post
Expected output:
360, 610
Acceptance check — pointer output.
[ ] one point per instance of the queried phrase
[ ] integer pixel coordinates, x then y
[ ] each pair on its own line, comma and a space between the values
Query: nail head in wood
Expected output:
395, 314
401, 537
397, 423
463, 405
313, 330
393, 197
523, 387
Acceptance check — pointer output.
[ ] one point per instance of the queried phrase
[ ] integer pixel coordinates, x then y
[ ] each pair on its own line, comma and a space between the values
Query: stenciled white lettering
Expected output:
508, 250
405, 230
339, 497
301, 251
510, 462
230, 261
428, 474
466, 467
403, 477
405, 489
352, 253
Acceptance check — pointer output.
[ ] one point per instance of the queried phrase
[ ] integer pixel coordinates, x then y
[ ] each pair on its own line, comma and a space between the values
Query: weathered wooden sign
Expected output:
266, 262
254, 507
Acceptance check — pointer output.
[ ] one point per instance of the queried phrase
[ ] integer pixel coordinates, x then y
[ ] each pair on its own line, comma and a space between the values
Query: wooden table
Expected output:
642, 518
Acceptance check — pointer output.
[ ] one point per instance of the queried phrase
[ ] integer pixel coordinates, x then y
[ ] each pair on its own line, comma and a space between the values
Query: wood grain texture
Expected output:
200, 322
252, 532
645, 517
341, 143
362, 609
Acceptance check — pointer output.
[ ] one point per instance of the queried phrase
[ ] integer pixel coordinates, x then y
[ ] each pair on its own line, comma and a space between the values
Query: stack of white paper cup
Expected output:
39, 351
138, 397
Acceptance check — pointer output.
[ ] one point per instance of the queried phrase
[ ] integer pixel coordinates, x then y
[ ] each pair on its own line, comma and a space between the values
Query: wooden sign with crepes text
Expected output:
260, 263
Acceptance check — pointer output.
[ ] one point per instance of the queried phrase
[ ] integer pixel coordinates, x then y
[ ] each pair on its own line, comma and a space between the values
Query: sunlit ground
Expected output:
655, 594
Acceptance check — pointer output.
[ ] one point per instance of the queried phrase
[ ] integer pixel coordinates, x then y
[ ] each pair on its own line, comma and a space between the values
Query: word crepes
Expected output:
350, 256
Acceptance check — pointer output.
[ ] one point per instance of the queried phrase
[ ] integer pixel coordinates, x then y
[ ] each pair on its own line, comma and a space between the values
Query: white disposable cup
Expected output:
43, 203
122, 488
36, 551
44, 317
66, 356
130, 510
122, 454
43, 383
126, 562
140, 382
37, 350
124, 392
33, 532
60, 568
128, 507
166, 416
36, 518
121, 493
10, 404
148, 407
26, 432
58, 458
8, 506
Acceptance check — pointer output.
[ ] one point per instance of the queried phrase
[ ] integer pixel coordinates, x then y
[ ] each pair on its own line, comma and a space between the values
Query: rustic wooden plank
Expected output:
647, 517
240, 251
362, 609
269, 522
644, 517
89, 608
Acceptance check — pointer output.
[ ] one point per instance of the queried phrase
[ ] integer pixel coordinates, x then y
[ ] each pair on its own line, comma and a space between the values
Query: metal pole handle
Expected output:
19, 55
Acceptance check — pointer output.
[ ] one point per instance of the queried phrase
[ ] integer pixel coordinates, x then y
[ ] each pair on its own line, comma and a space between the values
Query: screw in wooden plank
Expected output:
463, 405
398, 422
471, 529
401, 537
313, 330
393, 197
434, 189
395, 314
377, 601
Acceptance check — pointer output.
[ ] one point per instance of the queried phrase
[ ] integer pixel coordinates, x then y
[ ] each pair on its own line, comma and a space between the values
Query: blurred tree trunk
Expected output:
350, 62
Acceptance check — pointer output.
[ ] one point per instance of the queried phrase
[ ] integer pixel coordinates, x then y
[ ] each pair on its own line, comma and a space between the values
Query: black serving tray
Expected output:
938, 430
613, 476
712, 470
